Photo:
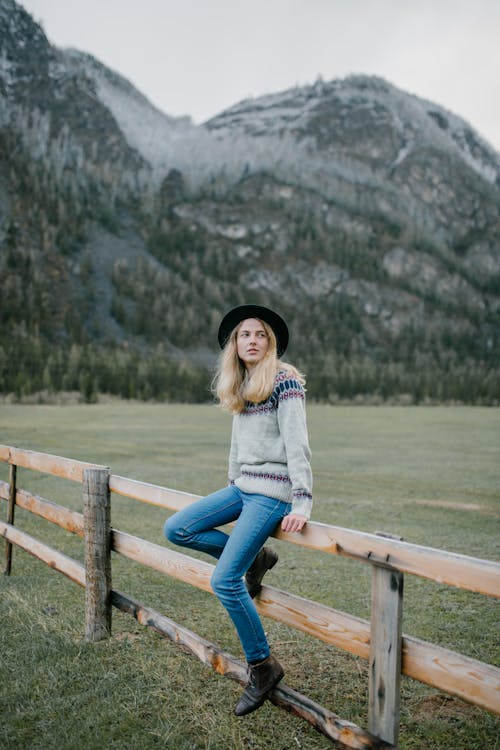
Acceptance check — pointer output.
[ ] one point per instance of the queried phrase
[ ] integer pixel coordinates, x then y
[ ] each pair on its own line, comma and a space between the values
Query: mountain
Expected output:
369, 217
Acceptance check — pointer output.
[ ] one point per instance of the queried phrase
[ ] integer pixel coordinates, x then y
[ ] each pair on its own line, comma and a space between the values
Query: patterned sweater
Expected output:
270, 452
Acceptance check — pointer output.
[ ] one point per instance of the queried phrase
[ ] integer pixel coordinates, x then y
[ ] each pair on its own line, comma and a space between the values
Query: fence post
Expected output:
97, 521
10, 515
385, 652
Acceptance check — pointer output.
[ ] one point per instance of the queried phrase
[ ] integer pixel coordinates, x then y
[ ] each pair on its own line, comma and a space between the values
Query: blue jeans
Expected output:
257, 517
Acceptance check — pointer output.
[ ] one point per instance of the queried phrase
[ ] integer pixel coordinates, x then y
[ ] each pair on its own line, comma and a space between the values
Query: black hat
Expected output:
237, 314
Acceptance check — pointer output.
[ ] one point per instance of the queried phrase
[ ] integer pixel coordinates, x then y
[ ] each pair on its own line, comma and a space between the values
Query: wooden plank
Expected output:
330, 625
173, 563
10, 516
462, 571
385, 654
47, 463
4, 453
96, 522
53, 558
67, 519
206, 652
153, 494
471, 680
346, 733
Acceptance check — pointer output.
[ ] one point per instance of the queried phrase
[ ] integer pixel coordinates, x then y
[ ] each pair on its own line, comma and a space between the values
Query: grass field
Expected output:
431, 475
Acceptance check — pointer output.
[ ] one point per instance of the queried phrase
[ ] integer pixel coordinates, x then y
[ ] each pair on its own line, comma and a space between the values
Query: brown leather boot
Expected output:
265, 560
262, 678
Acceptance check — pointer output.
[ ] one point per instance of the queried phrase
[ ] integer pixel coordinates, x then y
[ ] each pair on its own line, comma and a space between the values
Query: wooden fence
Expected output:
390, 653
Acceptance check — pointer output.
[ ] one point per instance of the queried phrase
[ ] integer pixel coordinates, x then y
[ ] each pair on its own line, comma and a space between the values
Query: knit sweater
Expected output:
270, 452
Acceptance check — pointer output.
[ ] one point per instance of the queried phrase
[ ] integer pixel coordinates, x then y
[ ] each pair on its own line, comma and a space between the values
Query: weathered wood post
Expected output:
385, 652
10, 515
96, 522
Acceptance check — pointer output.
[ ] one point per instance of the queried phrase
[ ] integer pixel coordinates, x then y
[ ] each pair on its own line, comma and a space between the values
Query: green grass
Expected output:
431, 475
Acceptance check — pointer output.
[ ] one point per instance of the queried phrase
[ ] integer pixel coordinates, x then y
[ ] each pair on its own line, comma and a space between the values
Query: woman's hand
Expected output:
293, 522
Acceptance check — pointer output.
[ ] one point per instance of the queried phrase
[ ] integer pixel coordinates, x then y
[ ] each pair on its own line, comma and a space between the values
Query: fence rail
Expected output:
470, 679
461, 571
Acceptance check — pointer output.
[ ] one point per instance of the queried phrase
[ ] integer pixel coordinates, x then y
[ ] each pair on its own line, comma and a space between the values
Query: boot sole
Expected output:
261, 702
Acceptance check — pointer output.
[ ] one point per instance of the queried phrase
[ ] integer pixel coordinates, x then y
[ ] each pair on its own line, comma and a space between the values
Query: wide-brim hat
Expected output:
243, 312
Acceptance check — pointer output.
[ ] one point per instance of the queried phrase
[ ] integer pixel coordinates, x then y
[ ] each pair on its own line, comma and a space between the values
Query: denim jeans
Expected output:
256, 518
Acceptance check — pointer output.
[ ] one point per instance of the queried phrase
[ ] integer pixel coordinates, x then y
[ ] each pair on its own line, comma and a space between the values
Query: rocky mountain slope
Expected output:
369, 217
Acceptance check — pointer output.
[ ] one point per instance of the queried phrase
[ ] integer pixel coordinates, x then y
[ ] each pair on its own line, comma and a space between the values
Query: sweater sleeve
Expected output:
293, 429
234, 465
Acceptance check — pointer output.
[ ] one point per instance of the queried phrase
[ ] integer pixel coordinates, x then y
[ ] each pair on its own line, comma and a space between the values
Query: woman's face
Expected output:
252, 342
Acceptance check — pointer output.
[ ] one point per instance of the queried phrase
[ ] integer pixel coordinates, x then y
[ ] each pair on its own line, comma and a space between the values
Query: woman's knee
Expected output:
219, 582
224, 584
174, 531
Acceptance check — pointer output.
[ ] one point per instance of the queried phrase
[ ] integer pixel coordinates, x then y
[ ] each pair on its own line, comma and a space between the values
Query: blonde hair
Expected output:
233, 385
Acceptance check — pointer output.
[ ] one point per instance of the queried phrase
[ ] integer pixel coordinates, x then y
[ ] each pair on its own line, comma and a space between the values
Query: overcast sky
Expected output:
197, 57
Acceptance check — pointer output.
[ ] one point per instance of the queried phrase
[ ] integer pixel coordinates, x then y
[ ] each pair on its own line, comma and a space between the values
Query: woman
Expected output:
270, 480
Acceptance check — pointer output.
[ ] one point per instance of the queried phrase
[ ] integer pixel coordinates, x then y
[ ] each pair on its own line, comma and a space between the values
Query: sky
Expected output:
198, 57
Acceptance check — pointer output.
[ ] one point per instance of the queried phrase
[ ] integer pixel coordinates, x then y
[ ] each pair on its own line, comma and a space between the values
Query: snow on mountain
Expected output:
318, 114
270, 114
155, 135
166, 142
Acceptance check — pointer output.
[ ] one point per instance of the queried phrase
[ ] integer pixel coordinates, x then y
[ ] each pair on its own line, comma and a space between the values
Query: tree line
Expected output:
29, 365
